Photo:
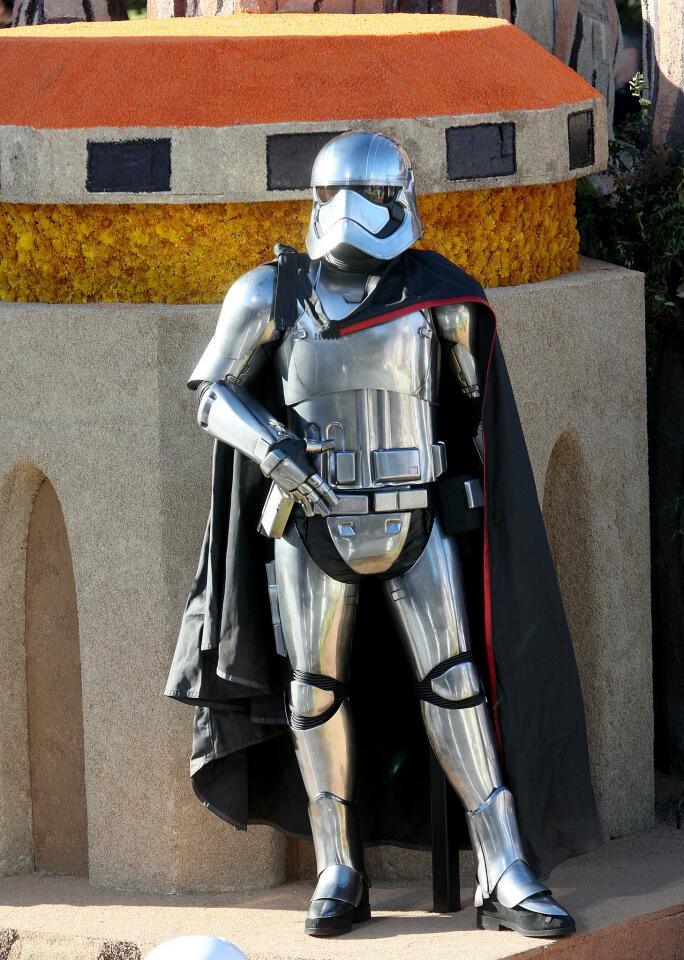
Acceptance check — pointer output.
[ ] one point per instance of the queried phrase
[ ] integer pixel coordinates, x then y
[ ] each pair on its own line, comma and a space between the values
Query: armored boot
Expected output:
508, 895
341, 895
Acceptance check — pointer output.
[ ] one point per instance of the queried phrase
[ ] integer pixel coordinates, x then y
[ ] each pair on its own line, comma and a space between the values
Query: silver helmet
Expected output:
364, 200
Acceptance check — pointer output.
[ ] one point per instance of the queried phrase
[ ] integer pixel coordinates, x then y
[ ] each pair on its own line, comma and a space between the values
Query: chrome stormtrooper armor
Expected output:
359, 454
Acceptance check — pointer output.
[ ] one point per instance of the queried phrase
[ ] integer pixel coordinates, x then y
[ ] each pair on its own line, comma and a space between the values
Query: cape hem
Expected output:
240, 681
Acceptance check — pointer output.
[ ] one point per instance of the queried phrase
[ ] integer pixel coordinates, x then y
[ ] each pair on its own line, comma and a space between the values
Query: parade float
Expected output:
145, 165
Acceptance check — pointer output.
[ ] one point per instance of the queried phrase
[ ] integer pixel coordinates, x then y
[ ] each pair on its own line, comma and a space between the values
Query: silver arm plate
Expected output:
229, 413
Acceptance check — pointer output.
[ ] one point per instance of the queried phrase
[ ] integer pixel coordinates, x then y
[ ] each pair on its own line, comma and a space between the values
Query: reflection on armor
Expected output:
317, 616
402, 357
361, 449
377, 403
339, 293
336, 832
244, 324
234, 416
382, 227
370, 543
320, 750
457, 323
429, 606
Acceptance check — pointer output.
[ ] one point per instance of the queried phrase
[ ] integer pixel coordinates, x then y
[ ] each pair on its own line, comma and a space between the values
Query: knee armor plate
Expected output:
453, 684
314, 699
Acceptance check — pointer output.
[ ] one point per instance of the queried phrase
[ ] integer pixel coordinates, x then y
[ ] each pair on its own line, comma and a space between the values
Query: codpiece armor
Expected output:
353, 472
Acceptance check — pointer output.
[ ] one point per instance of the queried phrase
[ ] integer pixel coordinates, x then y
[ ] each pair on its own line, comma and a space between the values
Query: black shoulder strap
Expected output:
290, 263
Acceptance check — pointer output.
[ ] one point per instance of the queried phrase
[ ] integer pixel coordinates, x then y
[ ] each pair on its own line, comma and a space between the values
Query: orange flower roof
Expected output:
262, 69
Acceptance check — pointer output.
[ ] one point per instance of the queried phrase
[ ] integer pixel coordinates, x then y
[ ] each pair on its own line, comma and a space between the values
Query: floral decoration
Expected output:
191, 253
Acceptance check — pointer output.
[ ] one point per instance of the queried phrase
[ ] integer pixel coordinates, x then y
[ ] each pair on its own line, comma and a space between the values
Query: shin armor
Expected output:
429, 607
321, 723
320, 719
317, 615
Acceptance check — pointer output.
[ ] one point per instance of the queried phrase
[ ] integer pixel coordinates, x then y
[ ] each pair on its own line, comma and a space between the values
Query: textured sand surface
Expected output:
67, 918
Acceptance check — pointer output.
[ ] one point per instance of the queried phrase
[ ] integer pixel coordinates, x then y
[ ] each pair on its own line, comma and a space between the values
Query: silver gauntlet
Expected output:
230, 413
288, 466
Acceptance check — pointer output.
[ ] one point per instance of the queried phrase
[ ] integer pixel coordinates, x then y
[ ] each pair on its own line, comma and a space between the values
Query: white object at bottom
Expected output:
196, 948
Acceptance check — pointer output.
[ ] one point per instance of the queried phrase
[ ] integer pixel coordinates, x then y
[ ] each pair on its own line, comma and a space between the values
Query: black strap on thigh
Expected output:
339, 690
424, 691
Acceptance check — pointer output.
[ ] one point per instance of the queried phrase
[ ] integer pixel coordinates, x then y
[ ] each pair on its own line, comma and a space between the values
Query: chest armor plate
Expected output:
400, 356
373, 392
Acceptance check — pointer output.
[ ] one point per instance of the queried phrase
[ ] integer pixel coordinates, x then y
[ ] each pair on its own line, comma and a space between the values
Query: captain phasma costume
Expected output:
354, 361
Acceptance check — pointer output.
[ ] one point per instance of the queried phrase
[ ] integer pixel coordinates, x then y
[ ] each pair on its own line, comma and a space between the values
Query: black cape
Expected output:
243, 765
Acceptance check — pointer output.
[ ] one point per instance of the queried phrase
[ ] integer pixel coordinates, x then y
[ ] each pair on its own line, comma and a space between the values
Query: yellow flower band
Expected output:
191, 253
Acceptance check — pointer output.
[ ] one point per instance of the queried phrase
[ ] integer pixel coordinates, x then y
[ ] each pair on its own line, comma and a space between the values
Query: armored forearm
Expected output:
457, 325
230, 413
465, 368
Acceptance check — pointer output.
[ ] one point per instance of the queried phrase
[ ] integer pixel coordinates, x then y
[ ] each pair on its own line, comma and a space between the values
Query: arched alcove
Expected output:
566, 508
53, 685
42, 794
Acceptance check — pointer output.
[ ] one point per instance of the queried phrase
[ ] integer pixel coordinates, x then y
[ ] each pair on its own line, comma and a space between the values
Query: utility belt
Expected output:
381, 501
464, 498
410, 498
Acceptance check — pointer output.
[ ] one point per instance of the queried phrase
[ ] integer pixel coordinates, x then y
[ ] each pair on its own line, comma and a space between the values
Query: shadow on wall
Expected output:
567, 515
53, 720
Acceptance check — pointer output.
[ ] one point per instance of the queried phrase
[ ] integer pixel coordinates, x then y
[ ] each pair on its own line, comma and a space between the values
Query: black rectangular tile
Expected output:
480, 150
129, 166
290, 157
581, 139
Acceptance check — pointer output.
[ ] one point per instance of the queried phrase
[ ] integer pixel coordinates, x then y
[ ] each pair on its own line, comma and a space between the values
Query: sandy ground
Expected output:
67, 919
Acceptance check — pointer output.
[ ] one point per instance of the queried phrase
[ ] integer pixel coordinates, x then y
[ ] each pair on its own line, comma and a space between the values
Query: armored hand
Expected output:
287, 464
230, 413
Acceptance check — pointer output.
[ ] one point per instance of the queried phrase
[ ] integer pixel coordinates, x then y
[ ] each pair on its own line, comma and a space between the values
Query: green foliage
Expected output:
629, 12
634, 214
636, 88
136, 9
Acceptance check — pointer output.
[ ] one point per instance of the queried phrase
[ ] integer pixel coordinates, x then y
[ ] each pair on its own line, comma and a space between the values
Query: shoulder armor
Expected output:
457, 323
244, 324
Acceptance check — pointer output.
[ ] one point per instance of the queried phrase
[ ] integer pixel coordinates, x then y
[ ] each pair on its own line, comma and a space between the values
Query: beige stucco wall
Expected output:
576, 356
93, 396
93, 399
